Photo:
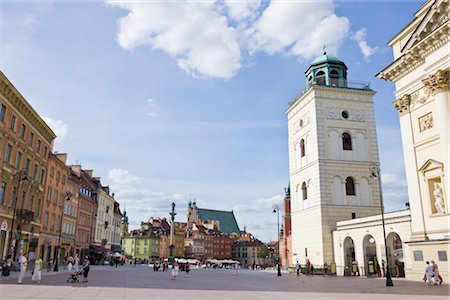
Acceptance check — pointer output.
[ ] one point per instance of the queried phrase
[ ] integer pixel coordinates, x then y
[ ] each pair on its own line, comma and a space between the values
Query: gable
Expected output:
436, 16
431, 164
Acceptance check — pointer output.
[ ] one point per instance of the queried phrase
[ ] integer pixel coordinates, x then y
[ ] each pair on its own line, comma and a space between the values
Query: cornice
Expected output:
415, 57
402, 104
11, 94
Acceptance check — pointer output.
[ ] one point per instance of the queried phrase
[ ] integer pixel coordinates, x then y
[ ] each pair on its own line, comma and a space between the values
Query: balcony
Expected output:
334, 83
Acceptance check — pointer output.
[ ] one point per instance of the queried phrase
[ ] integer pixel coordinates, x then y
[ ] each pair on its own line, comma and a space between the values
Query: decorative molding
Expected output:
419, 97
8, 91
353, 114
426, 122
402, 104
436, 83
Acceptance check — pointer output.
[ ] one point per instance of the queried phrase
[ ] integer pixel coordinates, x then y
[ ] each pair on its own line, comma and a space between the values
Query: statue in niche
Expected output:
438, 198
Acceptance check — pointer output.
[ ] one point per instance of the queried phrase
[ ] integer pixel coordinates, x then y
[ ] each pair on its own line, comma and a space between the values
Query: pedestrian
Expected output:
70, 264
37, 269
312, 270
135, 261
6, 270
187, 269
236, 268
325, 269
308, 267
23, 267
436, 275
428, 273
77, 263
174, 272
117, 262
297, 268
86, 268
49, 265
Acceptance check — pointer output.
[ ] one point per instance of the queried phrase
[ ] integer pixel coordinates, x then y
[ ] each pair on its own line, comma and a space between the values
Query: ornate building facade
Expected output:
25, 142
420, 72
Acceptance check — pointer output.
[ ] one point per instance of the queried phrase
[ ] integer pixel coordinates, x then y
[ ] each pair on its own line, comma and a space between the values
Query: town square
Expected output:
227, 149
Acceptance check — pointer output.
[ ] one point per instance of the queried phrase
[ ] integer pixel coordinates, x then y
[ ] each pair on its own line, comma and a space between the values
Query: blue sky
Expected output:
186, 100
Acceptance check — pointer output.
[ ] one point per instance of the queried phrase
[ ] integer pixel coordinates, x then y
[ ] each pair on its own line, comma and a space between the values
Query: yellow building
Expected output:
141, 244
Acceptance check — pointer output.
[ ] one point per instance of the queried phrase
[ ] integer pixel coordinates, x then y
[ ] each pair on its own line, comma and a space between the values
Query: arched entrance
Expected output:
351, 266
371, 264
395, 251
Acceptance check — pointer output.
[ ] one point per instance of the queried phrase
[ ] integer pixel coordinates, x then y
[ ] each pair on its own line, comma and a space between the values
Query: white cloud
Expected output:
209, 38
241, 10
60, 128
360, 38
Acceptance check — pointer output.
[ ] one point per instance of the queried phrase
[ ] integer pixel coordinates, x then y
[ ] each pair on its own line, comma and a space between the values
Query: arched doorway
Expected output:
371, 263
395, 251
351, 265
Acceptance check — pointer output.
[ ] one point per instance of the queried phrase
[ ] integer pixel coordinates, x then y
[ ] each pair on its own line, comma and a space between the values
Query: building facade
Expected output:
420, 72
332, 142
25, 141
105, 226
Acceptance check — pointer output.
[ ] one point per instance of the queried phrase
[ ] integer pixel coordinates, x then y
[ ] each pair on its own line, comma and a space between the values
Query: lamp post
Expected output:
21, 176
56, 268
276, 209
172, 229
375, 170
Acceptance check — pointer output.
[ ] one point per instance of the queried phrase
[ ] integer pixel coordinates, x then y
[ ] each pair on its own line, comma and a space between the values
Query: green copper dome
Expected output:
326, 59
124, 218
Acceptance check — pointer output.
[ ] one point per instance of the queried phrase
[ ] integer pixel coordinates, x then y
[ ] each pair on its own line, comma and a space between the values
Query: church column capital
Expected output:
436, 83
402, 104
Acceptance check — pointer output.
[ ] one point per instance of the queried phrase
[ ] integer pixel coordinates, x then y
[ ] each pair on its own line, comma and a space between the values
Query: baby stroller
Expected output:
74, 276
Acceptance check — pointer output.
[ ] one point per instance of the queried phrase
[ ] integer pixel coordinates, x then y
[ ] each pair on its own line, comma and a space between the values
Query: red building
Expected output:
285, 235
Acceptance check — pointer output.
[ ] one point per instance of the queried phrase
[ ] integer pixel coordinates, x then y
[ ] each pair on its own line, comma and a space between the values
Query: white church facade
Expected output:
335, 202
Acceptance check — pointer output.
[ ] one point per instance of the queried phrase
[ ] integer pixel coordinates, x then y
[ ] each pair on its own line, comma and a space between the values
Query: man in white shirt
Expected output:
297, 268
23, 267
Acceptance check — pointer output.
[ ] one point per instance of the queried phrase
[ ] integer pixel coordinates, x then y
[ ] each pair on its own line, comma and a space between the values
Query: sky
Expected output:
178, 101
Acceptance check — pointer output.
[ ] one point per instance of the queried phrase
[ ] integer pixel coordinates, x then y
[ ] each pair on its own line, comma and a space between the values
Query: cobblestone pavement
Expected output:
140, 282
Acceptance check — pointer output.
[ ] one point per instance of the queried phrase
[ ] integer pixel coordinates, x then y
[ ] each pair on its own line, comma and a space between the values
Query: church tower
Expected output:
124, 224
332, 142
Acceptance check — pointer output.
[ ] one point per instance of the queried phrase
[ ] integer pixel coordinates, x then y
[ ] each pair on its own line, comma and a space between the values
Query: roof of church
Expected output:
227, 221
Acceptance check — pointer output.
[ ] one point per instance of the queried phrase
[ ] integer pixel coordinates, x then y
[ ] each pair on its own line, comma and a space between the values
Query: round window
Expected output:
345, 114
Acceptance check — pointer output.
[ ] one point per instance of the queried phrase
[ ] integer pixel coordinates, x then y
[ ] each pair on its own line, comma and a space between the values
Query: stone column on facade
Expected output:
353, 146
344, 192
416, 206
358, 195
438, 85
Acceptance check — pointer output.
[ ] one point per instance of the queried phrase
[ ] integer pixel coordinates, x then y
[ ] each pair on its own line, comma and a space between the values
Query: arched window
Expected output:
350, 186
320, 77
302, 148
346, 141
334, 77
305, 191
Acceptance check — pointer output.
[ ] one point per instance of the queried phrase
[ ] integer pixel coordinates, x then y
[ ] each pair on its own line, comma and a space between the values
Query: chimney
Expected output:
62, 157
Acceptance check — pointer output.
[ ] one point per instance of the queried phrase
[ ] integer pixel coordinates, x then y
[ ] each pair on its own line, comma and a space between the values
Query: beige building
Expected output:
106, 228
332, 142
420, 72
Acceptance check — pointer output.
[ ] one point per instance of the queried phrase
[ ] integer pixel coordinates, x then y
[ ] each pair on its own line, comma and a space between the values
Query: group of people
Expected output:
73, 264
432, 271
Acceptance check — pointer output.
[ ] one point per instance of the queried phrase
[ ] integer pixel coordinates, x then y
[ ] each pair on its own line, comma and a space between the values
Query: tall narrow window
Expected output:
8, 153
39, 146
24, 195
350, 186
2, 112
35, 171
2, 192
18, 160
304, 191
302, 148
12, 200
27, 166
13, 123
42, 176
38, 207
31, 139
22, 131
346, 141
31, 203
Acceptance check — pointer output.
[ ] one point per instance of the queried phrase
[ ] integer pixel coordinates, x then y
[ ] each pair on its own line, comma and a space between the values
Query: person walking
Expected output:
436, 275
23, 267
86, 268
325, 269
297, 268
37, 269
77, 263
236, 268
428, 273
6, 270
174, 272
308, 267
70, 264
49, 265
187, 269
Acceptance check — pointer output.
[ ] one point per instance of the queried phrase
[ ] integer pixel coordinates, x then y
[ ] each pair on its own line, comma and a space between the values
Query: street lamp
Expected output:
56, 268
276, 209
172, 229
21, 176
375, 170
